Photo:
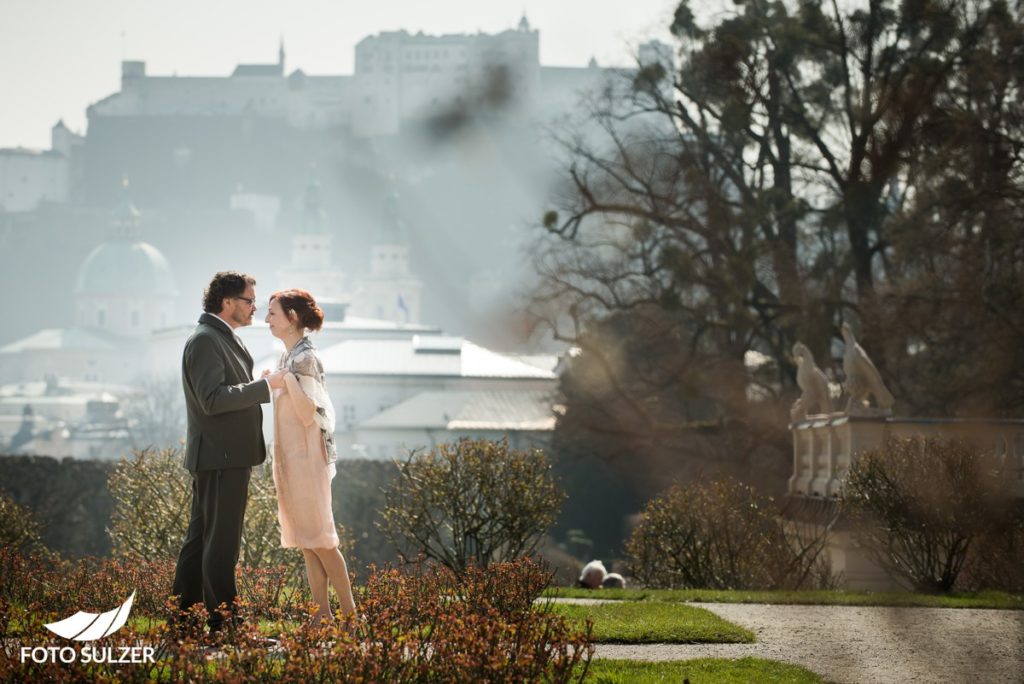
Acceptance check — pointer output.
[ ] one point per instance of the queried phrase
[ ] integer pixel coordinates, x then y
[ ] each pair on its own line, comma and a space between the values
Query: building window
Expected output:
348, 413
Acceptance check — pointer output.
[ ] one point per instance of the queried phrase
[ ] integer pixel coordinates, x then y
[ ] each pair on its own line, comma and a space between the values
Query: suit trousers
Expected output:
206, 564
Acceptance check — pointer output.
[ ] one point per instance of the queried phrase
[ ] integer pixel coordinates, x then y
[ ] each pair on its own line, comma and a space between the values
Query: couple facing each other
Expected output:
225, 440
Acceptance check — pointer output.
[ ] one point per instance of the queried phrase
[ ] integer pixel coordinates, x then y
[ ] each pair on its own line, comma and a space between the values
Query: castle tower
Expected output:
312, 267
390, 291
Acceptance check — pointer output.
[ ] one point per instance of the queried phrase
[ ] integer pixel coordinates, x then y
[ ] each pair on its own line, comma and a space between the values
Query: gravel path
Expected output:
862, 644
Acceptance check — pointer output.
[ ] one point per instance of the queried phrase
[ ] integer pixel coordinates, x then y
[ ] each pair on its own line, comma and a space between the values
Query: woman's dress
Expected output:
303, 452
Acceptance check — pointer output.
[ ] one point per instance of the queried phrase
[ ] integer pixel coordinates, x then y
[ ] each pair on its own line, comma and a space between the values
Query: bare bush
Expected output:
996, 560
724, 535
921, 504
152, 497
470, 503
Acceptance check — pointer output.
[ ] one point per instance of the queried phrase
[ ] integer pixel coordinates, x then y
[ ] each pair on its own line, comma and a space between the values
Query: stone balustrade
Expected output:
825, 445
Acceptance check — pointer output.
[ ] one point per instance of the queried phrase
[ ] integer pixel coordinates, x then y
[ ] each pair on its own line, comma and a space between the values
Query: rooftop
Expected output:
425, 356
468, 410
63, 338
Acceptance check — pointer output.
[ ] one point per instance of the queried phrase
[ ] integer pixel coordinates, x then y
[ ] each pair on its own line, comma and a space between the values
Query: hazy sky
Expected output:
59, 56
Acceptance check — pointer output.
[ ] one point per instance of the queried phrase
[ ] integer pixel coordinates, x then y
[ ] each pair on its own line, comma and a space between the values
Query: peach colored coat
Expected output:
302, 474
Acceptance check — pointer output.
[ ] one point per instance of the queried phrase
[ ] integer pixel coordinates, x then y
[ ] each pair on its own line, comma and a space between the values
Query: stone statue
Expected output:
862, 378
813, 384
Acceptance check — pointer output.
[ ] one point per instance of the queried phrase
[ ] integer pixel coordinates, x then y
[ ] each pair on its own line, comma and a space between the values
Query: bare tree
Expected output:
156, 413
806, 164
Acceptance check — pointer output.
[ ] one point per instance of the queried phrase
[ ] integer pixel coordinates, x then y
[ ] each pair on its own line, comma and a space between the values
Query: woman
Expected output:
304, 451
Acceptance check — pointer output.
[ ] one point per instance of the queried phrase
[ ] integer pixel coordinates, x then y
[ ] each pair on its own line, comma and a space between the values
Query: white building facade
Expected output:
28, 178
394, 394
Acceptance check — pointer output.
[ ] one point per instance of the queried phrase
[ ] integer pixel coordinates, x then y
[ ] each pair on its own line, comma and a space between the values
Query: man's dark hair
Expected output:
225, 284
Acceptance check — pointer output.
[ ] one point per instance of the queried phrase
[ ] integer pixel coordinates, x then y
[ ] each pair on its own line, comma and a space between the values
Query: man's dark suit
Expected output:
225, 439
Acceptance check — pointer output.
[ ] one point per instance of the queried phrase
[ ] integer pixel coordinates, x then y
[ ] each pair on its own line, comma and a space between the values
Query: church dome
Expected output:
124, 267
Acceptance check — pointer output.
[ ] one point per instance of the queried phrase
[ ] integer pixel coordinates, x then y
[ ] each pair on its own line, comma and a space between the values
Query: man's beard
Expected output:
241, 318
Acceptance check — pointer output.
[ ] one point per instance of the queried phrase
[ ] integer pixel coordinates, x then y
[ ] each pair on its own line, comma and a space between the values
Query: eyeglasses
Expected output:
251, 301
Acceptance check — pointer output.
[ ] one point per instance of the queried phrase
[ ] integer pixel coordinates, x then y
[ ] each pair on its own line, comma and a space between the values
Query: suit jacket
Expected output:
225, 421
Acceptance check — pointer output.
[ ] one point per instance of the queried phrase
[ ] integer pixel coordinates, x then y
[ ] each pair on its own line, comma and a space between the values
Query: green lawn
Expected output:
986, 599
624, 622
718, 670
635, 622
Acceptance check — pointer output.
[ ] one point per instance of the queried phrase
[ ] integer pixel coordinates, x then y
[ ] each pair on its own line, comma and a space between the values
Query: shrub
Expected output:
18, 528
21, 552
472, 502
721, 535
920, 504
152, 494
996, 559
59, 587
427, 625
72, 502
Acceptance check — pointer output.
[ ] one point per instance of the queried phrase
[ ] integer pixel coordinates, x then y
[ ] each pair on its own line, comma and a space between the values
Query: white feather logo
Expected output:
90, 626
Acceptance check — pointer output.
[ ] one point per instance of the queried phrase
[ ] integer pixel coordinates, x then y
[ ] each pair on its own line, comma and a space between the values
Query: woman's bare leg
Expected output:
317, 576
337, 571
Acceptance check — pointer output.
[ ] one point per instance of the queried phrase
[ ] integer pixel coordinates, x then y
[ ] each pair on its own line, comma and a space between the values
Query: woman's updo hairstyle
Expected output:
300, 307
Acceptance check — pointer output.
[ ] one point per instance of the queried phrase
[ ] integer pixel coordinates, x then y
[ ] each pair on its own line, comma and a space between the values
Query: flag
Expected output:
403, 308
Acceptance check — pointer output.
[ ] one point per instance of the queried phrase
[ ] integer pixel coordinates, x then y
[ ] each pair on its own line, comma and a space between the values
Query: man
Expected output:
225, 439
